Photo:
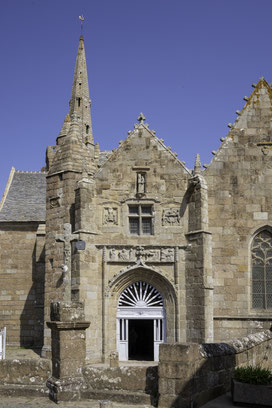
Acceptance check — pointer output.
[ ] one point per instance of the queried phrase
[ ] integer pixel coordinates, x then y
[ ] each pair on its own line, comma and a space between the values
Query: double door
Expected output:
139, 338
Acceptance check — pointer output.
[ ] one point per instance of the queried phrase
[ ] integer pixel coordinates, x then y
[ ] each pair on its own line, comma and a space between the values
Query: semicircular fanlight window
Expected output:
140, 294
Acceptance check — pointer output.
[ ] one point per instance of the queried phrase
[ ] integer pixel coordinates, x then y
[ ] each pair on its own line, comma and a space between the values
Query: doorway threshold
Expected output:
137, 363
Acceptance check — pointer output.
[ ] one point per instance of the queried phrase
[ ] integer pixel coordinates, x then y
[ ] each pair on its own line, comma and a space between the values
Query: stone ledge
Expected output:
68, 325
18, 390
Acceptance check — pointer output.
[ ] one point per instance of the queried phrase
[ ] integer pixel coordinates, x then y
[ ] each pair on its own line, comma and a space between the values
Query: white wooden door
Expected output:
122, 339
158, 336
2, 343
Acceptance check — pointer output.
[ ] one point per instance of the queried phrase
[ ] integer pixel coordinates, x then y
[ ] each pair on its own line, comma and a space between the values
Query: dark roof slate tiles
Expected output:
26, 197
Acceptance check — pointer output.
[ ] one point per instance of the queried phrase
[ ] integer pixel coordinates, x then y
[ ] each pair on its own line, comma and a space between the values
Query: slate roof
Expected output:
25, 197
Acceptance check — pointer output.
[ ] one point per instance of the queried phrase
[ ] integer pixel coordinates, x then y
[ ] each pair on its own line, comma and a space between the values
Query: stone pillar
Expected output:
68, 338
199, 275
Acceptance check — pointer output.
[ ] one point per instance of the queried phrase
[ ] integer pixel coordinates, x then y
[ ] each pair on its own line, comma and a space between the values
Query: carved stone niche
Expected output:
54, 202
171, 217
266, 147
110, 216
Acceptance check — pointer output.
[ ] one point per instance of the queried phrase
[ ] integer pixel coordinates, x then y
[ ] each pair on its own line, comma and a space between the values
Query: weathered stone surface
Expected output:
24, 372
206, 369
22, 282
68, 351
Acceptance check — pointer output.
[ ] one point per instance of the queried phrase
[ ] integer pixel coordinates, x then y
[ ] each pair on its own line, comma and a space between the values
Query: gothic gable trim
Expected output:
133, 133
11, 174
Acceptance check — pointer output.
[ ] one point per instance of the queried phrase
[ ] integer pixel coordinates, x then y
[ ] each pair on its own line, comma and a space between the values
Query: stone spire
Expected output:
80, 103
197, 166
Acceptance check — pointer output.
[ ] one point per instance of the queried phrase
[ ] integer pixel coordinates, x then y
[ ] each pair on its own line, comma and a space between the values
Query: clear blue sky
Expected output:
185, 64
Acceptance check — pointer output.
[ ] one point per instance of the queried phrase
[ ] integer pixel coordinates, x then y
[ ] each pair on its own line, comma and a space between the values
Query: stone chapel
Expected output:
156, 252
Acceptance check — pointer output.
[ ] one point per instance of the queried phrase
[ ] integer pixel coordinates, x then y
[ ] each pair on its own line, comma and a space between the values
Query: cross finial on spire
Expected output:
81, 22
141, 118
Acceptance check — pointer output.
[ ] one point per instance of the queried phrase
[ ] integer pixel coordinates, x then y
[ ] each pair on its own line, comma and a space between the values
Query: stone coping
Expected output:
234, 346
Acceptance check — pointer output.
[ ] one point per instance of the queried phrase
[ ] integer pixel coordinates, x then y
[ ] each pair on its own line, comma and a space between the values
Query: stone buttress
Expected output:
199, 278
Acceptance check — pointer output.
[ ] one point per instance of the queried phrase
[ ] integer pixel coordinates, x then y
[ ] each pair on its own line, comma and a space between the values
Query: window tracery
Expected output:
261, 256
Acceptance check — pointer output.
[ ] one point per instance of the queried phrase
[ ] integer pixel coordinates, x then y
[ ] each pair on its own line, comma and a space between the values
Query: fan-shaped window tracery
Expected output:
140, 294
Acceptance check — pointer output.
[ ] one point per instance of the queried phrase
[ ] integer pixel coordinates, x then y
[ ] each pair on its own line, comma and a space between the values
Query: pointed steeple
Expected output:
80, 103
197, 167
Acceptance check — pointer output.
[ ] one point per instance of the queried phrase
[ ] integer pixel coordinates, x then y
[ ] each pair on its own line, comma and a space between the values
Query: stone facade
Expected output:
146, 244
239, 179
22, 283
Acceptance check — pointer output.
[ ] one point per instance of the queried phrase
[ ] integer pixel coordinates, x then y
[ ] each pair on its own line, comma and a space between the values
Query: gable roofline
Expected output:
152, 133
11, 174
165, 147
262, 82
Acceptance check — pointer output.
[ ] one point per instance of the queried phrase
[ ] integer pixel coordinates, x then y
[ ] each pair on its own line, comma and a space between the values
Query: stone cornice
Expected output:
68, 325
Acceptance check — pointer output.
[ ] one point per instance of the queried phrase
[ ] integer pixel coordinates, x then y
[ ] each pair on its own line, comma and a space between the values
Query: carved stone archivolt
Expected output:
171, 217
110, 216
147, 254
130, 268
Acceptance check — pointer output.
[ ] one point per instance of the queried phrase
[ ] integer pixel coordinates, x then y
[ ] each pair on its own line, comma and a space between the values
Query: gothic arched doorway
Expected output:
140, 322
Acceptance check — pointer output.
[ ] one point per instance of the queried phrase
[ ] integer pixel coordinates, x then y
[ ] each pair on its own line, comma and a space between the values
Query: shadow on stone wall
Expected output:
152, 385
192, 374
32, 316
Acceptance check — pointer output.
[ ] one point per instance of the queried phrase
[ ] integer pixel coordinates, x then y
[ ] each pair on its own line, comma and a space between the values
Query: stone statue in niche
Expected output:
167, 254
110, 216
171, 217
141, 181
113, 254
131, 254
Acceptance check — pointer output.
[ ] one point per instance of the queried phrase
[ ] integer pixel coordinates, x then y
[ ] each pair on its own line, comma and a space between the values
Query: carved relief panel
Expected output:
171, 217
132, 254
110, 216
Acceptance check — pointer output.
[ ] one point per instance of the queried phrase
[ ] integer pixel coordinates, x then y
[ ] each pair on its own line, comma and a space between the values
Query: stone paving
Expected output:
23, 402
224, 401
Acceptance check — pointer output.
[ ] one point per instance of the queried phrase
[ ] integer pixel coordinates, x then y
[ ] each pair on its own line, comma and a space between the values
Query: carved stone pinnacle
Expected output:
141, 118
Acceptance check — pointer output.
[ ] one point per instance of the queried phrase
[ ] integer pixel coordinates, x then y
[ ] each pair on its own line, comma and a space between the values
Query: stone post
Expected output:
199, 275
68, 327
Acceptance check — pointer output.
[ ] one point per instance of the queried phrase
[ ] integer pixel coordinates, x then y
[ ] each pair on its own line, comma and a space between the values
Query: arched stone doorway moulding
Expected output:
163, 315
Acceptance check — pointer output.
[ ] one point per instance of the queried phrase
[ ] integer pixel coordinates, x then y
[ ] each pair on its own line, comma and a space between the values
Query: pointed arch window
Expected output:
261, 260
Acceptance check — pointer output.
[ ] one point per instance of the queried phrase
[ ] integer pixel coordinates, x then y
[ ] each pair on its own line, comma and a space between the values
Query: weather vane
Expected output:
81, 22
